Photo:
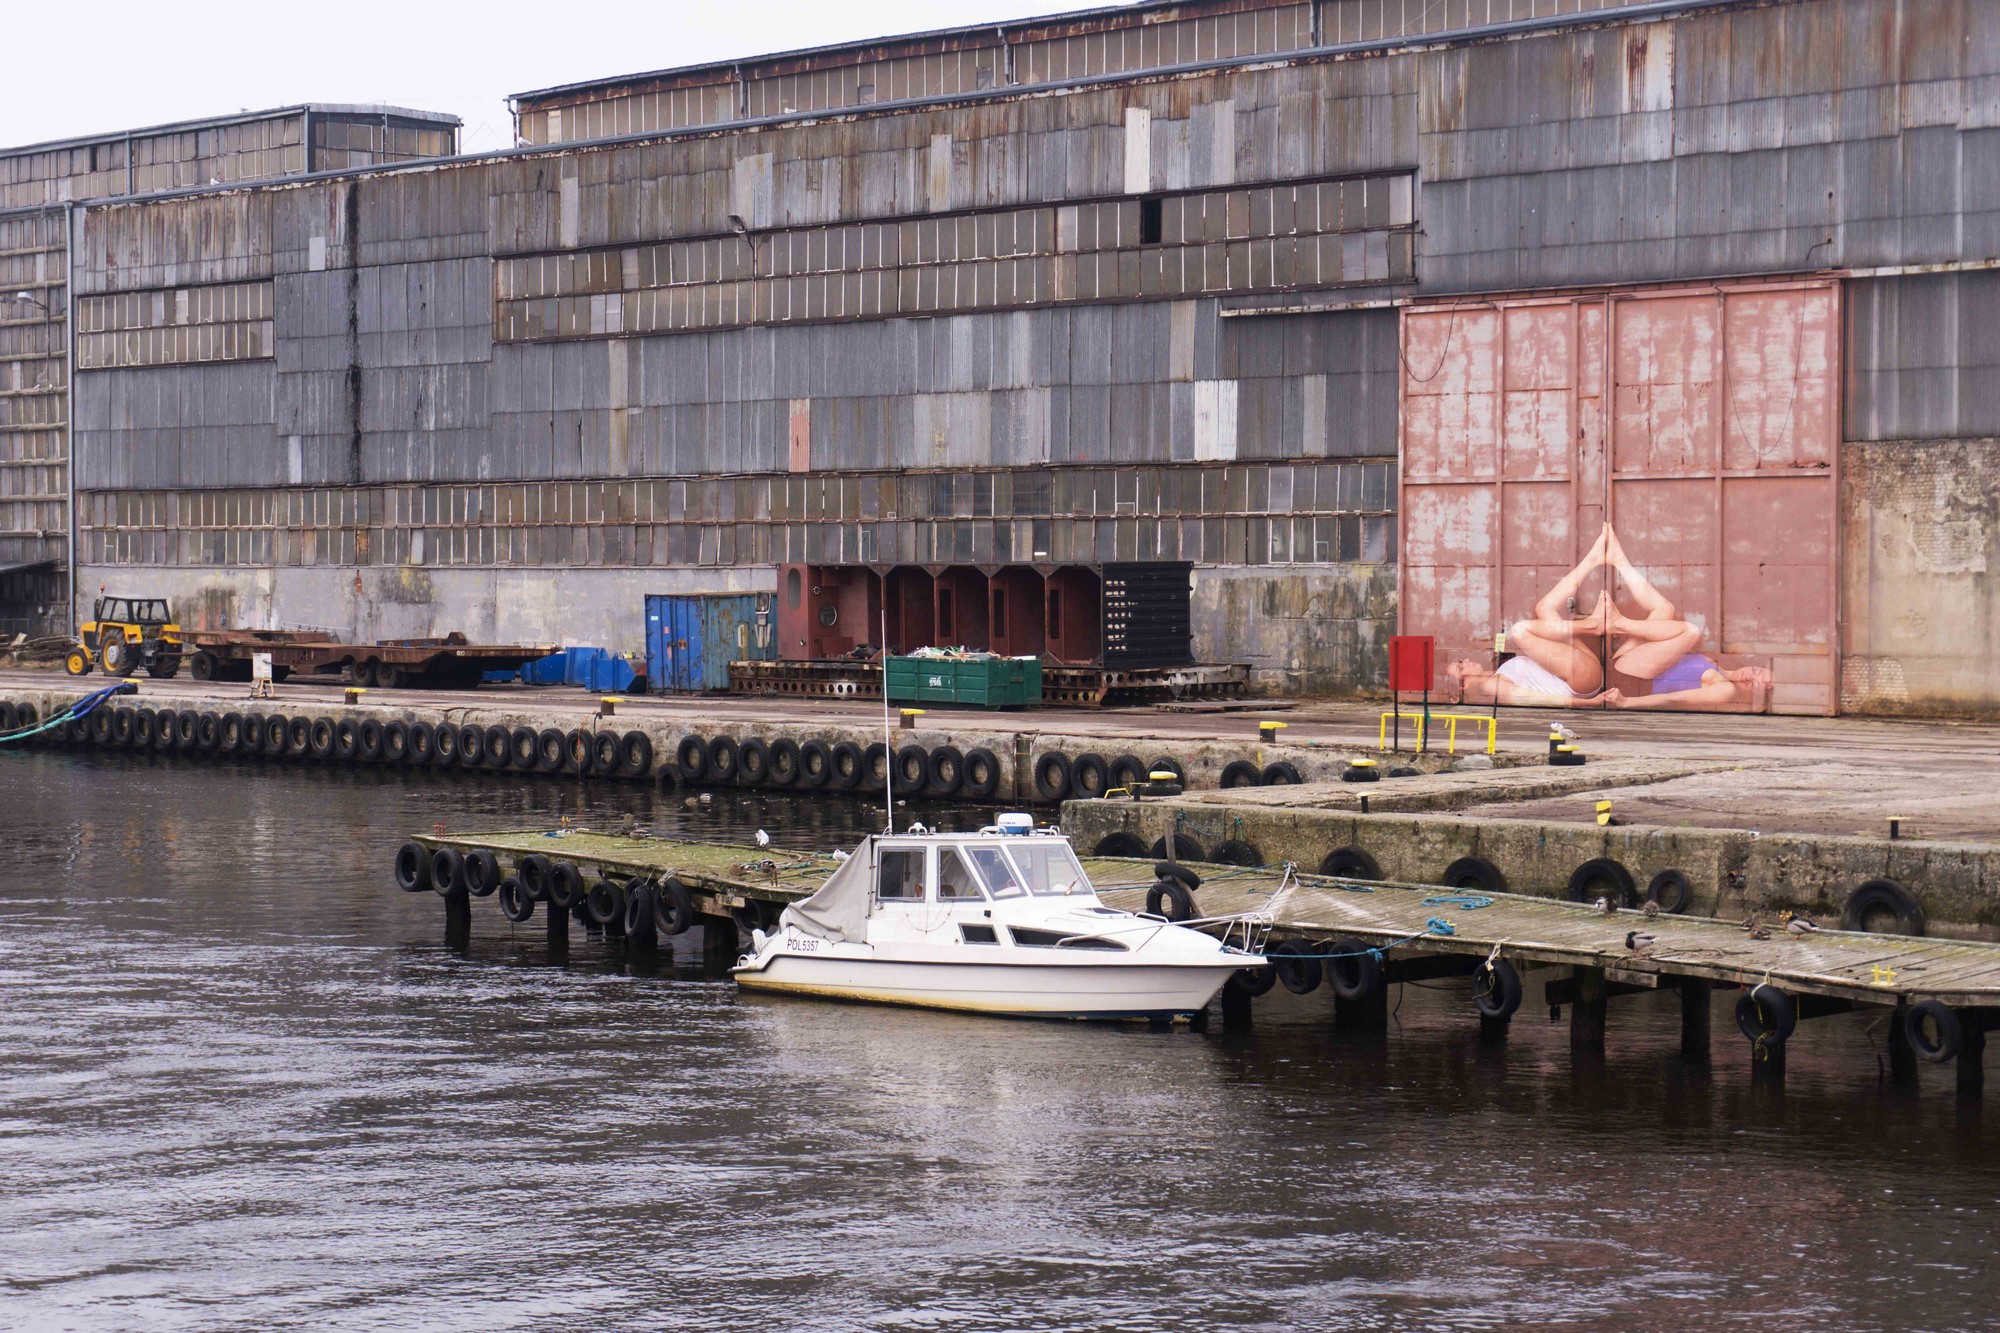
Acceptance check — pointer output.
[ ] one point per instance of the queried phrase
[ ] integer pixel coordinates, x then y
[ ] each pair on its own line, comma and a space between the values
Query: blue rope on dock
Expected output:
76, 712
1470, 902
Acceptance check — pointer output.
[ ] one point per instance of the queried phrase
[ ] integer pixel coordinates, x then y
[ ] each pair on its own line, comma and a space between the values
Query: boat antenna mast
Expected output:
888, 734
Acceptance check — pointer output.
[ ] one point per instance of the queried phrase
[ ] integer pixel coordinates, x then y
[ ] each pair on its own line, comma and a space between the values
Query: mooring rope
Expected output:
74, 712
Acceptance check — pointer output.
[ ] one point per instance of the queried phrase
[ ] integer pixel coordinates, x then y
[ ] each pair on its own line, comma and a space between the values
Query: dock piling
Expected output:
1368, 1011
1587, 1010
1902, 1055
719, 945
1235, 1007
1696, 1008
458, 920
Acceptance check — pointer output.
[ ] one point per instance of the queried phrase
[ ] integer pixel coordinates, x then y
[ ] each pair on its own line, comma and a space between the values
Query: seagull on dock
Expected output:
763, 838
1568, 736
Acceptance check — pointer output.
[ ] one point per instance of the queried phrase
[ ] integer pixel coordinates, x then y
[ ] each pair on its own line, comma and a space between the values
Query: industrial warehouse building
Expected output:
1676, 323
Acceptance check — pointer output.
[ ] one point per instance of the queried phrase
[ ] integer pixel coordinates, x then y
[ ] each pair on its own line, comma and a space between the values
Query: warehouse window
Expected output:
1151, 221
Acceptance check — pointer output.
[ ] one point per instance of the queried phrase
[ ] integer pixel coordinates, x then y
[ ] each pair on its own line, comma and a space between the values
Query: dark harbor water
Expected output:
244, 1085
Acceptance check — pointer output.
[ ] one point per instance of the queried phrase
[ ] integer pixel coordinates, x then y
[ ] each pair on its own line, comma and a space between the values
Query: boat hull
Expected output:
1020, 990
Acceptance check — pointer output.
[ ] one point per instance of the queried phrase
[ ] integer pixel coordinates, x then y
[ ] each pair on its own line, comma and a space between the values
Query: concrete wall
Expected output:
1313, 631
1921, 585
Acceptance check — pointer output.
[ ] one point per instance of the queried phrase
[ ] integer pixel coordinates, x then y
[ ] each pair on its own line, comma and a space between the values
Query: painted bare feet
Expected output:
1614, 553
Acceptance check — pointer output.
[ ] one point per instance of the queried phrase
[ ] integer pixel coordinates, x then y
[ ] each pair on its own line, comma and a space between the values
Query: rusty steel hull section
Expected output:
1697, 425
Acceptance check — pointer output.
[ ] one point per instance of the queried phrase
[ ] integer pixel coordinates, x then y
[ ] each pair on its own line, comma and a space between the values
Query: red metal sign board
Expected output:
1411, 662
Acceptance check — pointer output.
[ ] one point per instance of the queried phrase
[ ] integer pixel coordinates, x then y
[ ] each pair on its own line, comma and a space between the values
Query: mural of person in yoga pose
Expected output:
1561, 660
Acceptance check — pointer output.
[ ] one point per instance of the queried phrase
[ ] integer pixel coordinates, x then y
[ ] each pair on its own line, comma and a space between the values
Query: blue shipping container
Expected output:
691, 638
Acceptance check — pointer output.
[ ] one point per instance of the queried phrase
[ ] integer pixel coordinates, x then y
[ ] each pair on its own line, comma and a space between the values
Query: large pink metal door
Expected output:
1699, 424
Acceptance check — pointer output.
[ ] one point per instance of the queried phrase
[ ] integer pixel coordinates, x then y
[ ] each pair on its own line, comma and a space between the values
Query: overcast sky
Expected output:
92, 66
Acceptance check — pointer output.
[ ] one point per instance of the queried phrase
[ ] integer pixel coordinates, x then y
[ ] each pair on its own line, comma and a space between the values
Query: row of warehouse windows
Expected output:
1272, 212
898, 78
1357, 258
227, 321
1300, 539
1190, 490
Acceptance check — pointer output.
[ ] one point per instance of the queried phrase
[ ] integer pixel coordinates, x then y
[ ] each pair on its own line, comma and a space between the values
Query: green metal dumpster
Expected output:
972, 682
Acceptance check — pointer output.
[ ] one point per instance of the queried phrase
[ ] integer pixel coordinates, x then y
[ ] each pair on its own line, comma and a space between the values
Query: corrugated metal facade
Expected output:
1779, 137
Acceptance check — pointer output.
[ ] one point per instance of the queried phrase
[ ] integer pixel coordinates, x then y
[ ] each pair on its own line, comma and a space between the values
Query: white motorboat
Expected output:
1003, 921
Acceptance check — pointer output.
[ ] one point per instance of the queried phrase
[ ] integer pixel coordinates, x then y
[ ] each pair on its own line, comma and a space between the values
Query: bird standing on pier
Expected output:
763, 838
1799, 924
1638, 941
1604, 905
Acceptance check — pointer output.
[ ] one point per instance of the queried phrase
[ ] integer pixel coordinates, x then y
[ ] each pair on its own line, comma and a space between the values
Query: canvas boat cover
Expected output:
839, 911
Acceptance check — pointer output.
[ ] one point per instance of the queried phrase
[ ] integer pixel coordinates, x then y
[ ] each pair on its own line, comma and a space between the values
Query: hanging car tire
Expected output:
1602, 877
1284, 773
579, 752
278, 737
604, 903
982, 774
420, 742
187, 729
753, 763
947, 773
141, 734
1354, 971
1053, 776
413, 867
784, 770
515, 903
208, 733
103, 725
1236, 852
1935, 1033
1300, 976
499, 748
875, 767
691, 758
1127, 771
319, 739
346, 739
635, 755
1177, 870
535, 870
371, 742
846, 766
1170, 898
913, 771
565, 885
444, 744
550, 750
1241, 773
447, 869
396, 742
673, 907
1496, 989
815, 765
723, 758
1350, 863
1767, 1015
468, 745
640, 927
1185, 849
1474, 872
524, 749
1089, 776
607, 755
1882, 907
482, 873
1126, 845
1670, 892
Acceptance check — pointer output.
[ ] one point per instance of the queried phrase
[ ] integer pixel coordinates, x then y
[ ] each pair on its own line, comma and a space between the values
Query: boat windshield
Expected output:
1050, 869
997, 871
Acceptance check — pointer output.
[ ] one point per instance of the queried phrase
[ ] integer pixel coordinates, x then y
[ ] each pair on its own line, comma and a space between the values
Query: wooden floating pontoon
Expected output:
1827, 971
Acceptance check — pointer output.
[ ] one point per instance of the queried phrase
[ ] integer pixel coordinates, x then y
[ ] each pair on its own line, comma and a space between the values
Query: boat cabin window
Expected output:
956, 881
1050, 869
899, 875
997, 871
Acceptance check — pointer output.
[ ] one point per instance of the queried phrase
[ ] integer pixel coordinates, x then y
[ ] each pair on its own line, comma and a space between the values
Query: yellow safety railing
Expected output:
1491, 724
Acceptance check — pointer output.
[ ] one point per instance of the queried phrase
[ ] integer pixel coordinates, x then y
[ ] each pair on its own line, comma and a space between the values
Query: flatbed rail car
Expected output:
447, 663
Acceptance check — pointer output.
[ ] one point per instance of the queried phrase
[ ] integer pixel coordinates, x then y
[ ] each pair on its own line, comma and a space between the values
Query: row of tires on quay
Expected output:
940, 772
362, 740
638, 907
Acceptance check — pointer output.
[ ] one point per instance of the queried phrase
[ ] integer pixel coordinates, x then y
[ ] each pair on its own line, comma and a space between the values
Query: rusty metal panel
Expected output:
1675, 551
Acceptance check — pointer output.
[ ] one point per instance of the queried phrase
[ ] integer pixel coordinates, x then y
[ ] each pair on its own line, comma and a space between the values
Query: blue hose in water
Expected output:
76, 712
